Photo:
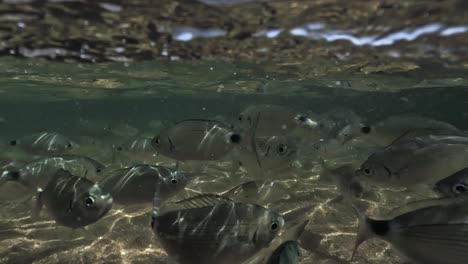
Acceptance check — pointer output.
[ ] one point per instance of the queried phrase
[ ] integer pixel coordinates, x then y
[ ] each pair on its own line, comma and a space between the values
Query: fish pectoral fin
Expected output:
37, 206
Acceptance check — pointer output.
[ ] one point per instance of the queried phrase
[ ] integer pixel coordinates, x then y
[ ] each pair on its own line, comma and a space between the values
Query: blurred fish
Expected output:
37, 174
259, 192
429, 232
213, 229
275, 120
330, 149
138, 149
454, 185
347, 183
390, 129
282, 250
73, 201
139, 183
414, 161
196, 139
276, 154
50, 143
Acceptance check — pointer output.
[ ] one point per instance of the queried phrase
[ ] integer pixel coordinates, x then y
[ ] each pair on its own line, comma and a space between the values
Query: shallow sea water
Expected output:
100, 91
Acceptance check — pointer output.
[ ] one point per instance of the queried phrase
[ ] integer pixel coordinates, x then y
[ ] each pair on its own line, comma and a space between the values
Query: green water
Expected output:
102, 74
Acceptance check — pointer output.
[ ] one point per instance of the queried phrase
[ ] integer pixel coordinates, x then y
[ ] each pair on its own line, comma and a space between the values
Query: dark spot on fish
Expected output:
240, 118
14, 175
69, 145
119, 148
366, 129
274, 226
379, 227
174, 181
13, 143
235, 138
302, 118
98, 170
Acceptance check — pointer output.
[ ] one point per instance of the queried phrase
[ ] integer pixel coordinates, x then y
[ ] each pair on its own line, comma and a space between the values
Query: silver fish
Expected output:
454, 185
196, 139
275, 120
212, 229
73, 201
260, 192
429, 232
414, 162
139, 183
50, 143
276, 154
390, 129
37, 174
282, 250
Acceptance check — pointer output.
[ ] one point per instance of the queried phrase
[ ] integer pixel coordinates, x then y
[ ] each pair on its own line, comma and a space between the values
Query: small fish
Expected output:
390, 129
139, 183
213, 229
282, 250
37, 174
429, 232
73, 201
260, 192
275, 120
50, 143
413, 162
276, 154
196, 139
139, 148
348, 185
454, 185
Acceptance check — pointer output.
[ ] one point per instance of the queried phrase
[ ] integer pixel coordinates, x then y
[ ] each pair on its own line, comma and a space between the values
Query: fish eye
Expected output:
69, 145
367, 171
282, 149
13, 143
98, 170
157, 140
240, 118
366, 129
459, 188
89, 201
274, 226
119, 148
174, 181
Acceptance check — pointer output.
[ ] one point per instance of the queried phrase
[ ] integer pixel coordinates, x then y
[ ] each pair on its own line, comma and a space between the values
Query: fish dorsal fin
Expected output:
240, 187
199, 201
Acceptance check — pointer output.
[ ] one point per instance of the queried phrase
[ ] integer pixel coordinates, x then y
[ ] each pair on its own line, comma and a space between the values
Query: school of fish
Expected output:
234, 222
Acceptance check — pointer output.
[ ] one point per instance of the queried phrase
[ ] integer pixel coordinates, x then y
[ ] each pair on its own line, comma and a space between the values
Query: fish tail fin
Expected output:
363, 231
